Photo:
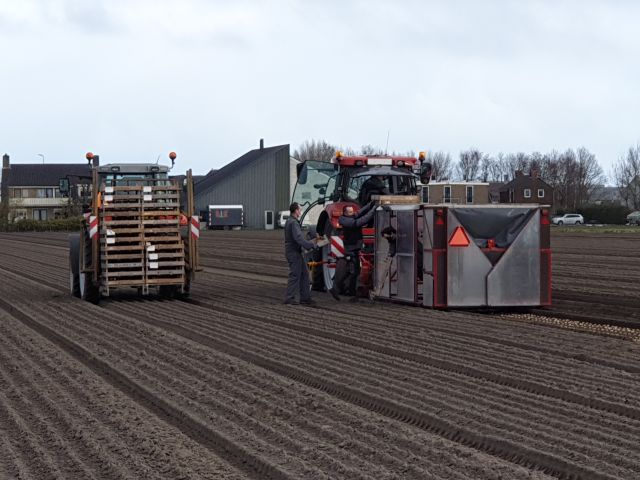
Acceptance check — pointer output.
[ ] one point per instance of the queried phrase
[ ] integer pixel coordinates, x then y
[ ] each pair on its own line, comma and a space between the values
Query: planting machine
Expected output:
139, 232
439, 256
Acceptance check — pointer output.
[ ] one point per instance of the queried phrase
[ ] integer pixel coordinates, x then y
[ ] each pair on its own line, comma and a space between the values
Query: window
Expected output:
541, 193
425, 194
527, 193
446, 198
17, 192
40, 214
469, 194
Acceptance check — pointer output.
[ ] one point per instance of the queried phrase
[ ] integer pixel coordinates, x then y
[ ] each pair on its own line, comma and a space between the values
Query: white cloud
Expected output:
132, 79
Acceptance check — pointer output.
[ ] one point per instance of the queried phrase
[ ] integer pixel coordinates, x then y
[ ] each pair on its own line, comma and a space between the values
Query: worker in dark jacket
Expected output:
348, 267
294, 242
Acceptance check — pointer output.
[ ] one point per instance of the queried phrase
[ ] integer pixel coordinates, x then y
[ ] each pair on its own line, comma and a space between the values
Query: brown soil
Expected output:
233, 384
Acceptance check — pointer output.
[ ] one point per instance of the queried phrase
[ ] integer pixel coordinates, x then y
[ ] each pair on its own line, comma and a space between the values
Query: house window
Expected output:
541, 193
425, 194
469, 194
527, 193
17, 193
447, 194
40, 214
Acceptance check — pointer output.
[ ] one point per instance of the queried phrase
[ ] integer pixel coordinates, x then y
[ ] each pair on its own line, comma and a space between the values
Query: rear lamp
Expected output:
172, 155
89, 155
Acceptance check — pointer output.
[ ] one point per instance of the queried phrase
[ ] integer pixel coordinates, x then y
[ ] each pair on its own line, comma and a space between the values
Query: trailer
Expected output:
463, 256
225, 217
139, 232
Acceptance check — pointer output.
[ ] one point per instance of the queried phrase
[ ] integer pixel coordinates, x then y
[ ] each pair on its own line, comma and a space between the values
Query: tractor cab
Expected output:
325, 188
352, 180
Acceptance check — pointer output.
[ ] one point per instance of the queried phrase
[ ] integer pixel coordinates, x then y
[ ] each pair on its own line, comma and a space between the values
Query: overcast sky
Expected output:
134, 79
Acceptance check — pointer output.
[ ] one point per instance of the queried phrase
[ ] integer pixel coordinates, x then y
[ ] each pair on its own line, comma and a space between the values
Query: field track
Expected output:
233, 384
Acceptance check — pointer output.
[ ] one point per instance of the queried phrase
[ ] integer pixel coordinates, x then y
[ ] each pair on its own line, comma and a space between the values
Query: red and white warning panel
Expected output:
337, 246
93, 226
195, 226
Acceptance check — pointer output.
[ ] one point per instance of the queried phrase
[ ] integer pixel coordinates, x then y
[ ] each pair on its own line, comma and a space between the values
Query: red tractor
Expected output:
325, 188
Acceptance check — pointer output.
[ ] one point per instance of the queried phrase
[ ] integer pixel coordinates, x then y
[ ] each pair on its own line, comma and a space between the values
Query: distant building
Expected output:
469, 193
259, 180
526, 189
31, 191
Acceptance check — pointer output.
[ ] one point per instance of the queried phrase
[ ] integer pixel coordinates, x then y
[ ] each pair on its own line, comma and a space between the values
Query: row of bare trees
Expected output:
574, 174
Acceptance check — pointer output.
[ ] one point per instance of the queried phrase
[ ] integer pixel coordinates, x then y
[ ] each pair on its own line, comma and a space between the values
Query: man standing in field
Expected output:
294, 242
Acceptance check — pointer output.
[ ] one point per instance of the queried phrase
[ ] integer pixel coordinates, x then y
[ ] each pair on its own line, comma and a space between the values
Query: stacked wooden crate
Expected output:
140, 241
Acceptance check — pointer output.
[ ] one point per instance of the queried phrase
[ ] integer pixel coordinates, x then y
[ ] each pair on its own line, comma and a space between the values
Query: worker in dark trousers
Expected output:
348, 268
294, 242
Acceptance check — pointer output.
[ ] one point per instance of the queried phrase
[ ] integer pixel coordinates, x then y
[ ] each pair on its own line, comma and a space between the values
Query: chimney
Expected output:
5, 161
534, 173
262, 144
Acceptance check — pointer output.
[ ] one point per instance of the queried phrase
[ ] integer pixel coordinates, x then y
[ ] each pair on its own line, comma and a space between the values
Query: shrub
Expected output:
606, 213
57, 225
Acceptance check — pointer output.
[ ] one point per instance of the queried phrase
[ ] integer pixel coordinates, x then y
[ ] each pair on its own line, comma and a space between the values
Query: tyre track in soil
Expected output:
240, 256
73, 412
323, 365
513, 474
424, 325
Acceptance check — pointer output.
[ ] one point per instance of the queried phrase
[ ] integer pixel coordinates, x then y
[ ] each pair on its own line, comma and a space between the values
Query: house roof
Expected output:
238, 164
38, 175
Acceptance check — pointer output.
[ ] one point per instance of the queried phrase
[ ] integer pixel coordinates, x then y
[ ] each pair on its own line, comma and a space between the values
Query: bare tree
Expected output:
589, 175
626, 176
441, 165
370, 150
315, 150
469, 165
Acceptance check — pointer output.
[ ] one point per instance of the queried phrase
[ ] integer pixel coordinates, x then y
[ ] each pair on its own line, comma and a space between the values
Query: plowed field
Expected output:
233, 384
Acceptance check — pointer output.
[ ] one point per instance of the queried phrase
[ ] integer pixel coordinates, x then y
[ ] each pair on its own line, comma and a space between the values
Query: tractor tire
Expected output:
74, 267
88, 291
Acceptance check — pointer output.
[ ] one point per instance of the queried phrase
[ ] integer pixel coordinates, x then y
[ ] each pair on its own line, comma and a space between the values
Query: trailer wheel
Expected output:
88, 291
74, 260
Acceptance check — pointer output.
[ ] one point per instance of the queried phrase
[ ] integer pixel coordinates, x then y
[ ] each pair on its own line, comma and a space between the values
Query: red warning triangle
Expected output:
459, 238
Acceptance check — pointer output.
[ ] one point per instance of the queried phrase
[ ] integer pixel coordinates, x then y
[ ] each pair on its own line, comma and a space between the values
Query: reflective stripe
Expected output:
195, 226
337, 246
93, 226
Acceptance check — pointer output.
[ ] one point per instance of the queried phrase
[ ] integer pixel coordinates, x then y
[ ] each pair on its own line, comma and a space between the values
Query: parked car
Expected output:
634, 218
568, 219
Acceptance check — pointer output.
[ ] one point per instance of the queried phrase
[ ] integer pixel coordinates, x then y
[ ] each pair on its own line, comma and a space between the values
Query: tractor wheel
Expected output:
74, 268
167, 291
88, 291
